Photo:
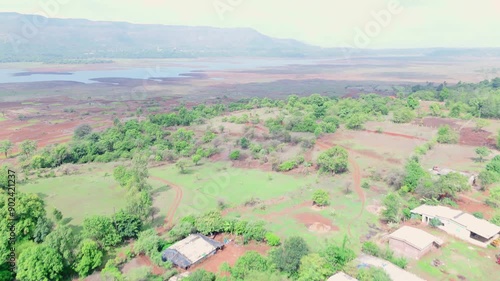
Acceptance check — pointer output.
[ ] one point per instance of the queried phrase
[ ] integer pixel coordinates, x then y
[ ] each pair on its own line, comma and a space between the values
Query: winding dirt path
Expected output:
356, 178
169, 219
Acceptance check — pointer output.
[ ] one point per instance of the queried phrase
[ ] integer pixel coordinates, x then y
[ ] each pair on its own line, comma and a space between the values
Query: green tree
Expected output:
64, 241
148, 243
139, 204
250, 261
450, 184
480, 124
127, 225
287, 257
6, 147
263, 276
234, 155
42, 229
392, 208
321, 197
82, 131
244, 143
101, 230
403, 115
89, 257
57, 214
196, 159
29, 208
412, 102
314, 267
334, 160
181, 165
200, 275
336, 256
435, 109
414, 173
209, 223
39, 263
355, 122
28, 147
482, 152
447, 135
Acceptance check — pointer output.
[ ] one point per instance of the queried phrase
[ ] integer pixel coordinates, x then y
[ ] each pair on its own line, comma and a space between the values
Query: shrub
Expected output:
371, 249
365, 185
401, 262
447, 135
272, 239
478, 215
234, 155
287, 165
321, 198
435, 222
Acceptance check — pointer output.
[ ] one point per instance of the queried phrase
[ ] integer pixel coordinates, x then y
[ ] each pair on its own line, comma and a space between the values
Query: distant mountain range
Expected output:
36, 38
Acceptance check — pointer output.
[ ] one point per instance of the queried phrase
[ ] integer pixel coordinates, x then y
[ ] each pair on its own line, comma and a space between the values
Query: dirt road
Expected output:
169, 219
356, 179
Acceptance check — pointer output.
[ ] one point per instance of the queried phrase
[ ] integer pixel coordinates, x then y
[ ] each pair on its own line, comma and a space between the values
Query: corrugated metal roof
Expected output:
415, 237
191, 249
473, 224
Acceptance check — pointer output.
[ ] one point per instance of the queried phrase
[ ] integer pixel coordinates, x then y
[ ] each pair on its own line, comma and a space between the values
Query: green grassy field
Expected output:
204, 185
91, 193
459, 258
78, 196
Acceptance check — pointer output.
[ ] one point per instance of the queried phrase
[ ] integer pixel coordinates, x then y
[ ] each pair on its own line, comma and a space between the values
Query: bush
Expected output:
371, 248
234, 155
287, 165
373, 274
478, 215
401, 262
435, 222
365, 185
333, 160
447, 135
272, 239
404, 115
321, 198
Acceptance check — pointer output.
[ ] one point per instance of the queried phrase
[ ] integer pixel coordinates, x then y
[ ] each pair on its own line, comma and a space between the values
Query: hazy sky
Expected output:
328, 23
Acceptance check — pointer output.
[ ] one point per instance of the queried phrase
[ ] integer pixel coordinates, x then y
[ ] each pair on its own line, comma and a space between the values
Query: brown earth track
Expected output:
356, 176
177, 201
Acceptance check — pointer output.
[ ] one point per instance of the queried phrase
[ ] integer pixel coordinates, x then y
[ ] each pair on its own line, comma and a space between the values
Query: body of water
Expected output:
162, 70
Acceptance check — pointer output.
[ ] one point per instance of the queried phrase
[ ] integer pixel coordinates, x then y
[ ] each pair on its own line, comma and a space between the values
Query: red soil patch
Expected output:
315, 222
397, 135
141, 261
229, 254
471, 205
468, 136
435, 122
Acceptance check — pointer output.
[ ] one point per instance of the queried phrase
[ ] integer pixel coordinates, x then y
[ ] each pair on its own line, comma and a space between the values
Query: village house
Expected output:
460, 224
191, 250
412, 243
